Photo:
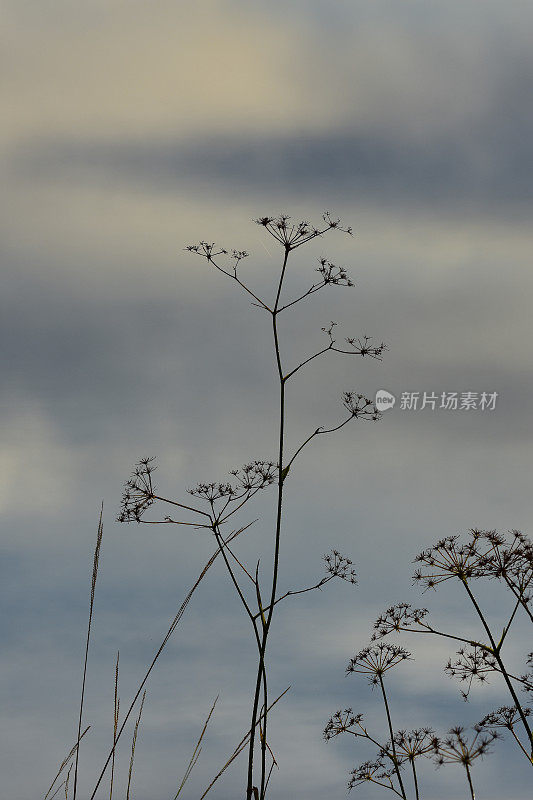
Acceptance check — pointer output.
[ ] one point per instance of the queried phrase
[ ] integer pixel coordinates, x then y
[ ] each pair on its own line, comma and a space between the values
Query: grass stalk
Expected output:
96, 560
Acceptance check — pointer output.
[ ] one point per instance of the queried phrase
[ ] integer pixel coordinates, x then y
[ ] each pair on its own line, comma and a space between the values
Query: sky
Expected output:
133, 129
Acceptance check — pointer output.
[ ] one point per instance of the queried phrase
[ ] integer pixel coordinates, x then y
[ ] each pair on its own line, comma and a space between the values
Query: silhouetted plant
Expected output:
401, 747
485, 555
456, 749
215, 504
489, 555
70, 762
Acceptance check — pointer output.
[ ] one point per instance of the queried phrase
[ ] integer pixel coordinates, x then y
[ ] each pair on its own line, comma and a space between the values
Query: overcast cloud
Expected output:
133, 129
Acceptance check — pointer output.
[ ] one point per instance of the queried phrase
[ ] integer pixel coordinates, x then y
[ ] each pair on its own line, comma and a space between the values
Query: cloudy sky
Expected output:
132, 129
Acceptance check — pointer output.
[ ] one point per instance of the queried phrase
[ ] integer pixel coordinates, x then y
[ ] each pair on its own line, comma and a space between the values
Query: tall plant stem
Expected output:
275, 569
115, 727
503, 670
415, 779
470, 784
396, 765
88, 639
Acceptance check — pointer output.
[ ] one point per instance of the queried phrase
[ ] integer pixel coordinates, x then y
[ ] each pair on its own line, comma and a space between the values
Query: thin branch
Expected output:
232, 574
314, 288
170, 521
181, 505
507, 627
429, 629
319, 585
307, 360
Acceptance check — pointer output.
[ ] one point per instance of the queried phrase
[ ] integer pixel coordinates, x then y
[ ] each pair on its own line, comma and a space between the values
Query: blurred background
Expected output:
132, 129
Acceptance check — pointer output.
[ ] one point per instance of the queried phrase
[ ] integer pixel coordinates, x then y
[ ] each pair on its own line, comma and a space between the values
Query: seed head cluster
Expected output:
503, 717
343, 722
360, 407
376, 660
340, 567
457, 749
333, 275
448, 559
400, 617
372, 772
138, 494
474, 664
409, 745
293, 234
249, 478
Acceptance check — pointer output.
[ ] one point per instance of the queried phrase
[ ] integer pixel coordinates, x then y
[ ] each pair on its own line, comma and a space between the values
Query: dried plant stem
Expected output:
415, 779
133, 744
116, 708
139, 494
275, 570
91, 606
470, 784
241, 746
520, 745
196, 753
169, 633
61, 785
67, 781
64, 764
391, 732
501, 665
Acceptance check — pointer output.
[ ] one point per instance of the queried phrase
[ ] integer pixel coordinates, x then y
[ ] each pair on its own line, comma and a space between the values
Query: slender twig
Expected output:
61, 785
196, 753
312, 289
507, 627
292, 593
180, 505
133, 744
519, 743
235, 582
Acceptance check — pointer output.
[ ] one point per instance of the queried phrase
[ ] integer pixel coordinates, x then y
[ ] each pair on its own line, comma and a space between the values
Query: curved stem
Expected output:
506, 677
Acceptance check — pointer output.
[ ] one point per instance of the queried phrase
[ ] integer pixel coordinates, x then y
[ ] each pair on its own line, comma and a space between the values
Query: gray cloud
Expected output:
116, 344
424, 152
486, 174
